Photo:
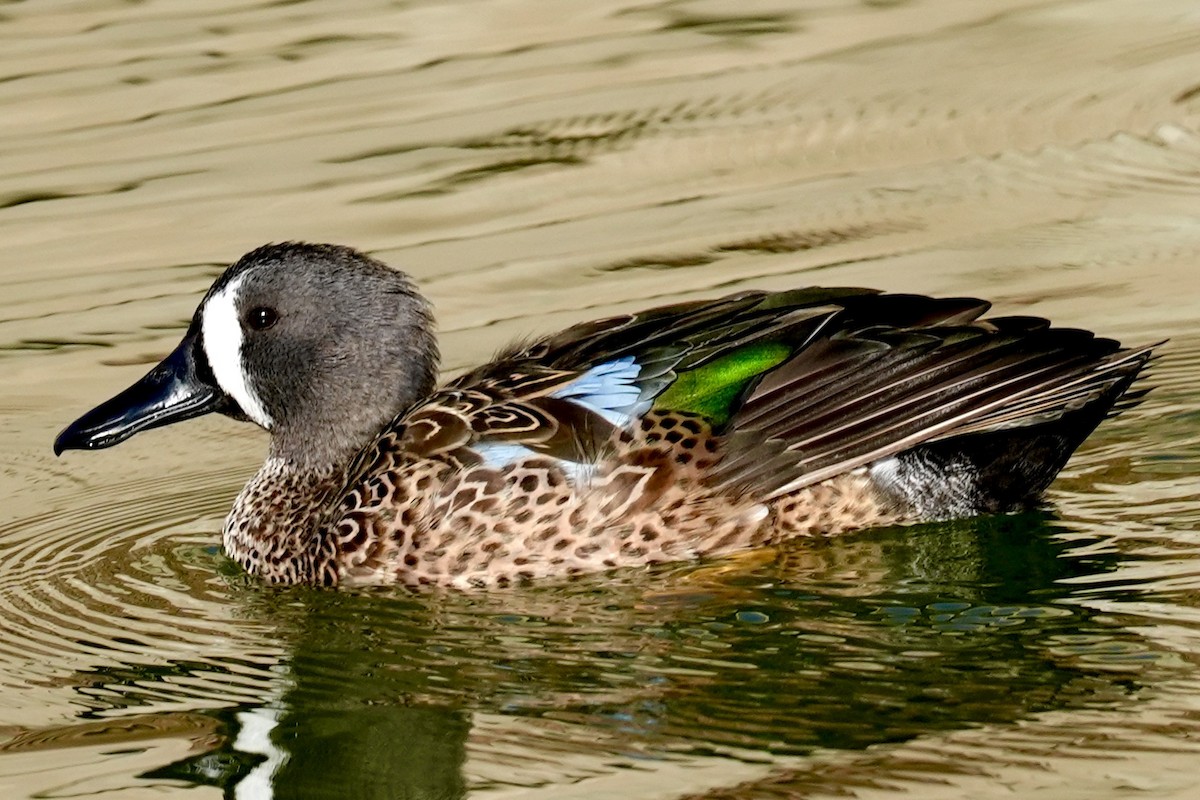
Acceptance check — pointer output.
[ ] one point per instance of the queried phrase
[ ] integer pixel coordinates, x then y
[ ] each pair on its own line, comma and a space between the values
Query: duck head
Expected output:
319, 344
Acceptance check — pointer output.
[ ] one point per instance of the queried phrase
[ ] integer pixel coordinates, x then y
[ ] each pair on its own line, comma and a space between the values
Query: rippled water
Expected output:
534, 164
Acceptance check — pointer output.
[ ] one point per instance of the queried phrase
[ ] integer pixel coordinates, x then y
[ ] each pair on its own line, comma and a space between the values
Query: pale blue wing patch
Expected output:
610, 389
498, 455
501, 454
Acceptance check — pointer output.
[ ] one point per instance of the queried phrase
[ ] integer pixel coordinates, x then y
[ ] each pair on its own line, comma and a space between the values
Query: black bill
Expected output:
179, 388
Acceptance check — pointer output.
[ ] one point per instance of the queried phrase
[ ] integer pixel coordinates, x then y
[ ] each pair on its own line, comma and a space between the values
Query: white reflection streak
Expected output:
254, 736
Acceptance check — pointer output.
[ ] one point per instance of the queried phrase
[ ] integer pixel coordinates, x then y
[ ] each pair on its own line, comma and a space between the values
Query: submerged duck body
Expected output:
688, 430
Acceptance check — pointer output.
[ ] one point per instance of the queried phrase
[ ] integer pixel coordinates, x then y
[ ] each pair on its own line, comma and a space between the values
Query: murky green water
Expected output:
535, 164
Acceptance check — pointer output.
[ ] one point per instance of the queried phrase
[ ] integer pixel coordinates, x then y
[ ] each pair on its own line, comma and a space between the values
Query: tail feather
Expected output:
861, 397
992, 471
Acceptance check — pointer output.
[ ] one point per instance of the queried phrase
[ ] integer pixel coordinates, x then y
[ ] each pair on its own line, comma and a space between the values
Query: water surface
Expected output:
533, 165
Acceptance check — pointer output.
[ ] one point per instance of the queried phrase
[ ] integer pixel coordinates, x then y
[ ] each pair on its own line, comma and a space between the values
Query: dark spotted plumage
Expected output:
688, 430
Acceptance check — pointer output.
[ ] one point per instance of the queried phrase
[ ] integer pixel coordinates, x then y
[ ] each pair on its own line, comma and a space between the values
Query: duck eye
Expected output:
262, 318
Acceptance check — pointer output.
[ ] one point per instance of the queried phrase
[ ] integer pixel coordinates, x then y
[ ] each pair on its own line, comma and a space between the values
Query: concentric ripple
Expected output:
101, 597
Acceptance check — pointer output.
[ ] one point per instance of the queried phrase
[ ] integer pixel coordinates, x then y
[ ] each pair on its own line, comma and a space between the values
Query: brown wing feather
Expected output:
871, 375
517, 385
863, 394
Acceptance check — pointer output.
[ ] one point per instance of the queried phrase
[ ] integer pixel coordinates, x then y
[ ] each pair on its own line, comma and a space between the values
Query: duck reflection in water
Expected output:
857, 641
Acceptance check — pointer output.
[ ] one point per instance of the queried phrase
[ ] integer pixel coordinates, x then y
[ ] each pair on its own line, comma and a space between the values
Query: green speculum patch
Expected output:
712, 389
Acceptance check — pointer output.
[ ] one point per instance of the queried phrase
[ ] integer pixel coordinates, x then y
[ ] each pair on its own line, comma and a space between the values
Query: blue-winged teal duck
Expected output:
688, 430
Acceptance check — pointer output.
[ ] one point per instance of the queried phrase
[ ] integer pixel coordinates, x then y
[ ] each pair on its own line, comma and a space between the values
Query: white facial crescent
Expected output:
221, 335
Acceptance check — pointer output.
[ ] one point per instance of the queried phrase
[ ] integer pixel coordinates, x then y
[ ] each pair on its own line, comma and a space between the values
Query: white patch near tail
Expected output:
886, 471
221, 333
947, 489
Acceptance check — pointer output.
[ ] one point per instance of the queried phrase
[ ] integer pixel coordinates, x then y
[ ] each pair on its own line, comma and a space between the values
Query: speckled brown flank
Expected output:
424, 521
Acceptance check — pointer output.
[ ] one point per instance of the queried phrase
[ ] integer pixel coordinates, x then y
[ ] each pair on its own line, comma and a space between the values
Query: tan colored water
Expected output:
535, 164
